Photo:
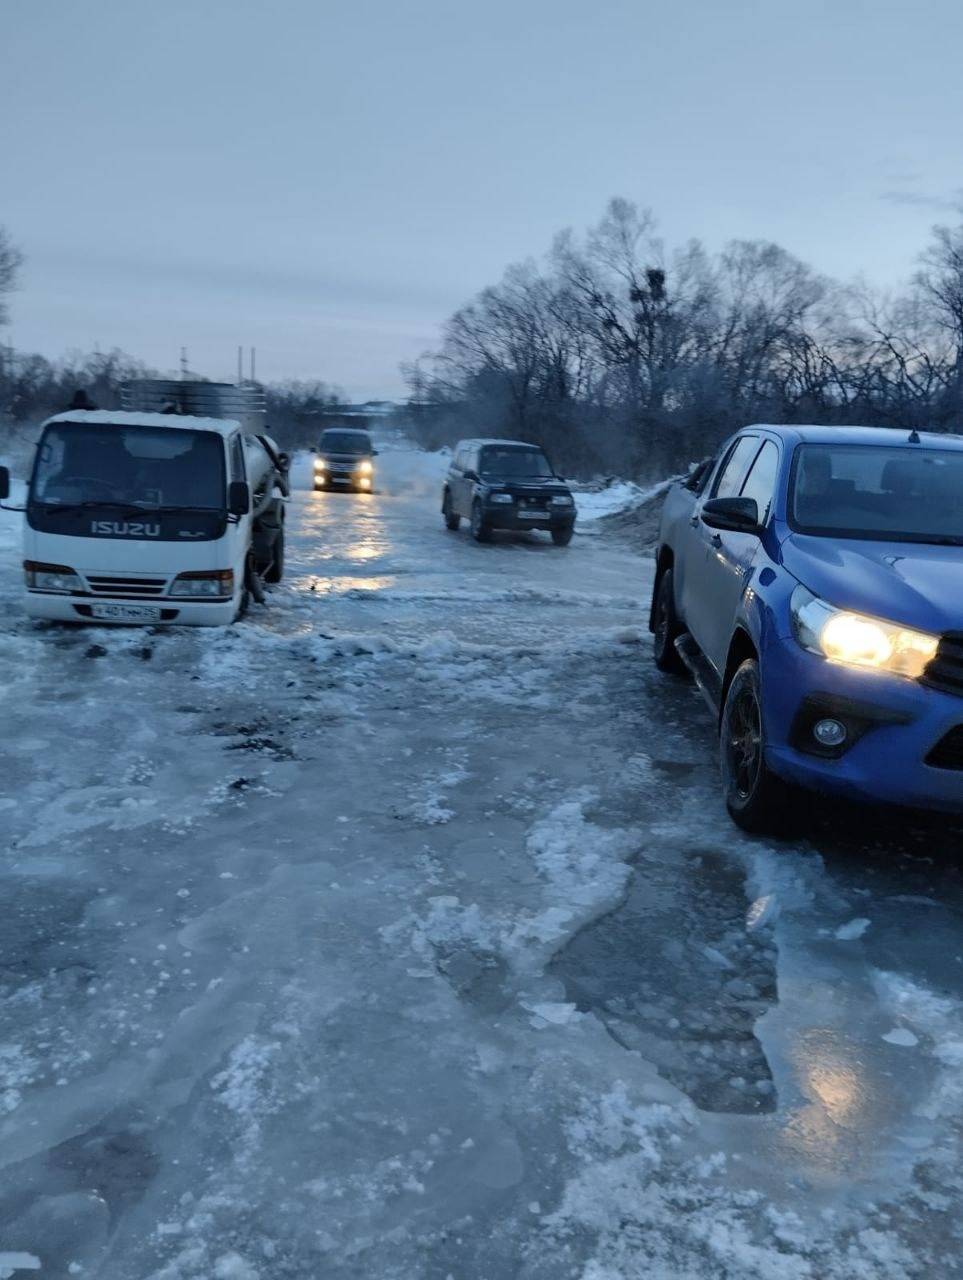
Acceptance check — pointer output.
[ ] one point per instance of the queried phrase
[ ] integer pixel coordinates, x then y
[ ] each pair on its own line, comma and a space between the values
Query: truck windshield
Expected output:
509, 463
357, 442
905, 494
102, 464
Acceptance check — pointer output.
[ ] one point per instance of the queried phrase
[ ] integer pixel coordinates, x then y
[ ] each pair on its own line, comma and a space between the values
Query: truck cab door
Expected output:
734, 556
709, 574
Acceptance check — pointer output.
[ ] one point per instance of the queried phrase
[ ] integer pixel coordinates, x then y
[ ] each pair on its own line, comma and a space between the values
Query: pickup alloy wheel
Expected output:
666, 627
757, 800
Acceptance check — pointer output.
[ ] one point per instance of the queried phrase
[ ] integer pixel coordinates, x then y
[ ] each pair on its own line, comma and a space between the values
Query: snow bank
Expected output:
618, 495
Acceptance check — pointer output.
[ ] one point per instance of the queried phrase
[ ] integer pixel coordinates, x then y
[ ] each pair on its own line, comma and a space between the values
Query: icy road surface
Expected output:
399, 932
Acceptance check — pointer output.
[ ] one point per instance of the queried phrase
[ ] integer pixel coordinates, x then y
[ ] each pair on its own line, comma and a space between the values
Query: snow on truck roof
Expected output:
119, 418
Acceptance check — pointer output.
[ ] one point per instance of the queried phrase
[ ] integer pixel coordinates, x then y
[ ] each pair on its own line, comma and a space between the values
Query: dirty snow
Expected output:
399, 932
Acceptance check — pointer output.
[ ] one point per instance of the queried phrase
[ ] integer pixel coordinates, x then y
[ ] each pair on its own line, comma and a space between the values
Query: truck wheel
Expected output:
480, 528
562, 537
757, 800
452, 518
666, 626
275, 570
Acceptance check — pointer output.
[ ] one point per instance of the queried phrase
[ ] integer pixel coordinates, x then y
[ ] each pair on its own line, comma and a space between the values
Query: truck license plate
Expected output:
125, 612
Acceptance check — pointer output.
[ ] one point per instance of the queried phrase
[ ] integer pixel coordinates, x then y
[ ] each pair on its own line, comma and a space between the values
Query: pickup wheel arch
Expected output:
741, 647
664, 560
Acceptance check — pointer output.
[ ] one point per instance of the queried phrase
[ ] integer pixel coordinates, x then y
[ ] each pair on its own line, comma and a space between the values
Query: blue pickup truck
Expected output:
811, 579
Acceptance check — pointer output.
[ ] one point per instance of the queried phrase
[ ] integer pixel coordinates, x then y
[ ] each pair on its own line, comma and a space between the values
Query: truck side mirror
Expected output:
741, 515
284, 461
4, 483
374, 453
238, 498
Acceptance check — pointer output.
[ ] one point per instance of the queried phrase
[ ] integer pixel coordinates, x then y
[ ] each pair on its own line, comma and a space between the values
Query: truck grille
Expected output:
134, 588
948, 752
946, 669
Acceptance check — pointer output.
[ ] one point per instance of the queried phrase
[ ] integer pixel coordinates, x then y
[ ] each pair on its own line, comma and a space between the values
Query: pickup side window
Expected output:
760, 483
734, 469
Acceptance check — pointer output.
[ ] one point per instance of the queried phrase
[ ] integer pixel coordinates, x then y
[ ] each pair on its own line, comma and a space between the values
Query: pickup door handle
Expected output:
716, 540
694, 520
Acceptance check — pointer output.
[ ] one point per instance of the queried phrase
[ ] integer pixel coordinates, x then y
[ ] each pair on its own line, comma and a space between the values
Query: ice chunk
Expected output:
901, 1036
854, 929
10, 1263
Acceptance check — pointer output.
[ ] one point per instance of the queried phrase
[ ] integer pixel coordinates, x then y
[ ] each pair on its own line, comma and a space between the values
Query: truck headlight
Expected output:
365, 467
500, 497
857, 640
562, 500
58, 579
319, 464
213, 584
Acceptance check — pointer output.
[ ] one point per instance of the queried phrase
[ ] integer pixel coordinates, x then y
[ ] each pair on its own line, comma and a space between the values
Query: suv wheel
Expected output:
666, 626
480, 528
757, 800
562, 537
452, 518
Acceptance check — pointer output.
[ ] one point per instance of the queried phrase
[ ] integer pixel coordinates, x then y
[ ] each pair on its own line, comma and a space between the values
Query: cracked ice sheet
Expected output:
327, 1058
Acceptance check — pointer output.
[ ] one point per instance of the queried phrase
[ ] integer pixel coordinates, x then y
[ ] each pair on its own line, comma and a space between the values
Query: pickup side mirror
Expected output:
238, 498
374, 453
284, 461
4, 483
470, 475
741, 515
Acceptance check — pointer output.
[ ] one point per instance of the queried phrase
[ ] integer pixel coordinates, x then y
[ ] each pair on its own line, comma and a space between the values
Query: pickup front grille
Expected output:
135, 588
948, 752
946, 669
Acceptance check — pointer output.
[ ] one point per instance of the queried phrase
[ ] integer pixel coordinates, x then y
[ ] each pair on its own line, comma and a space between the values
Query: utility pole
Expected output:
253, 349
240, 365
183, 364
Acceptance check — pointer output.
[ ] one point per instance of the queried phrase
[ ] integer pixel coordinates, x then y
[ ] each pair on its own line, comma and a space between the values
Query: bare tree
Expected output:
11, 260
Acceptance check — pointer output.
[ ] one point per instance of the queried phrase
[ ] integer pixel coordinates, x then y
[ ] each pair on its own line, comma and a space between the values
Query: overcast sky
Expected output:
329, 179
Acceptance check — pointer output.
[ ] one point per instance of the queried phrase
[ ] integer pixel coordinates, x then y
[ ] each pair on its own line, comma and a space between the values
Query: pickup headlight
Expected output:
500, 497
319, 464
857, 640
365, 467
562, 500
58, 579
218, 583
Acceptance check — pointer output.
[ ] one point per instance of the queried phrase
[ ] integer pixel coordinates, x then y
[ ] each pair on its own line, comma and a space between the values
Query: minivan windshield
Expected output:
356, 442
513, 464
107, 465
894, 494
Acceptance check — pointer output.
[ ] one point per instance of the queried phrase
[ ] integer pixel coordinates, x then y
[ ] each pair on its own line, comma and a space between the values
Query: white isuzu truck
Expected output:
170, 511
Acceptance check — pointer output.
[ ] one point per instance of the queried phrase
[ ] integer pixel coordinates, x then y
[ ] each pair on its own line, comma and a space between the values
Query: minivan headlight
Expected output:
857, 640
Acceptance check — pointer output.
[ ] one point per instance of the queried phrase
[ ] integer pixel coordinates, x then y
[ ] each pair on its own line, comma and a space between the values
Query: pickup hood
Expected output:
909, 582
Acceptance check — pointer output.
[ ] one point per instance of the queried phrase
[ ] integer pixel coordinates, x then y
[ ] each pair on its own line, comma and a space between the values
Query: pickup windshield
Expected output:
513, 464
140, 467
894, 494
353, 442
